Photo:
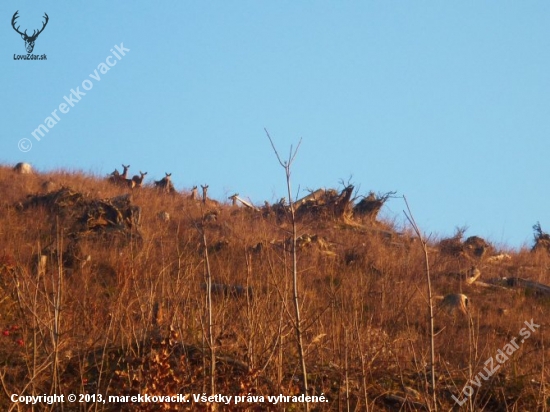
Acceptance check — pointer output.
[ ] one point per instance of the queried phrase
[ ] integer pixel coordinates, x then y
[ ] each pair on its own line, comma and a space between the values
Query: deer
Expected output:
124, 174
204, 193
29, 40
194, 194
121, 179
114, 177
138, 180
165, 183
124, 181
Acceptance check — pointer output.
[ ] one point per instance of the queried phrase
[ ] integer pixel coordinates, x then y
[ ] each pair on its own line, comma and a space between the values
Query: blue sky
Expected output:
444, 102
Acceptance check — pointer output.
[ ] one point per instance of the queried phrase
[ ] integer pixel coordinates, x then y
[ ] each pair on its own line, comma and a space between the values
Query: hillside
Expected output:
103, 290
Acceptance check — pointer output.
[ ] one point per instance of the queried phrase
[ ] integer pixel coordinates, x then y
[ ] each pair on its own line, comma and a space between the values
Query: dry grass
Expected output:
132, 318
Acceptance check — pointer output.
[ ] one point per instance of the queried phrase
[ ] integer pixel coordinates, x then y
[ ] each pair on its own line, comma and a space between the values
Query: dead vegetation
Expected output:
117, 306
542, 239
82, 214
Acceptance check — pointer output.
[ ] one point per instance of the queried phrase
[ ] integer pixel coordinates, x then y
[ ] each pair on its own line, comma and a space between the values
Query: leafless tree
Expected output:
286, 165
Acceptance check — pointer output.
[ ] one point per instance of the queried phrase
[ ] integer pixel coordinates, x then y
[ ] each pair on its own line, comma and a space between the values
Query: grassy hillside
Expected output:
106, 294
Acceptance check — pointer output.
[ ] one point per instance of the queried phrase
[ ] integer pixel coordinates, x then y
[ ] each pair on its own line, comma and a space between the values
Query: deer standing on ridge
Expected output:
165, 183
124, 175
121, 179
204, 193
138, 180
124, 181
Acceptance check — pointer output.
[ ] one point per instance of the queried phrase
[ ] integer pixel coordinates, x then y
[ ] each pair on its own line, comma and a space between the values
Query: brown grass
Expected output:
132, 319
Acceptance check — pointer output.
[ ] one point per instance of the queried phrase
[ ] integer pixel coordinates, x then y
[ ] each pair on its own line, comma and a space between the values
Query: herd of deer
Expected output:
165, 184
136, 181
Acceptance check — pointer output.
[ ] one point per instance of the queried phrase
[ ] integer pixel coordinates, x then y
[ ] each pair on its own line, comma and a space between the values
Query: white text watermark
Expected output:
501, 357
73, 98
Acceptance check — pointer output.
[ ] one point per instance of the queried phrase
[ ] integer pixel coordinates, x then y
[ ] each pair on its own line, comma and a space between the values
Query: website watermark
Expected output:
29, 39
30, 57
73, 98
501, 357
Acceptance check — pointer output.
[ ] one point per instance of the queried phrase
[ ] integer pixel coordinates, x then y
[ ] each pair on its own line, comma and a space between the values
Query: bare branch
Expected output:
274, 149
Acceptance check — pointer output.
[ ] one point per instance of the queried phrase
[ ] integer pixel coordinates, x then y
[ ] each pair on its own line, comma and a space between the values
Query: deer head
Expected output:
29, 40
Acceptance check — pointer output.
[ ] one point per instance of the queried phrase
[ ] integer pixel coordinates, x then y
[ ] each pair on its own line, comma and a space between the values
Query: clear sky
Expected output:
445, 102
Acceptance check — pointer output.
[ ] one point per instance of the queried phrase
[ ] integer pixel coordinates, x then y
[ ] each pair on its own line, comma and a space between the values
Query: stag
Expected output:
29, 40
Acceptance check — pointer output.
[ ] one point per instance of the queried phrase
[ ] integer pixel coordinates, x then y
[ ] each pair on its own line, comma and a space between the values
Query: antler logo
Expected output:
29, 40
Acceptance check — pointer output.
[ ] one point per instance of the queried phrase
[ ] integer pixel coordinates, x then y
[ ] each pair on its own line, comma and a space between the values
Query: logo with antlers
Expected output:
29, 40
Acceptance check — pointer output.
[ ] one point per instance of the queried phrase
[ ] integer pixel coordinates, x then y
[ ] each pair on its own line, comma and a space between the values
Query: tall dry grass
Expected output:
133, 318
